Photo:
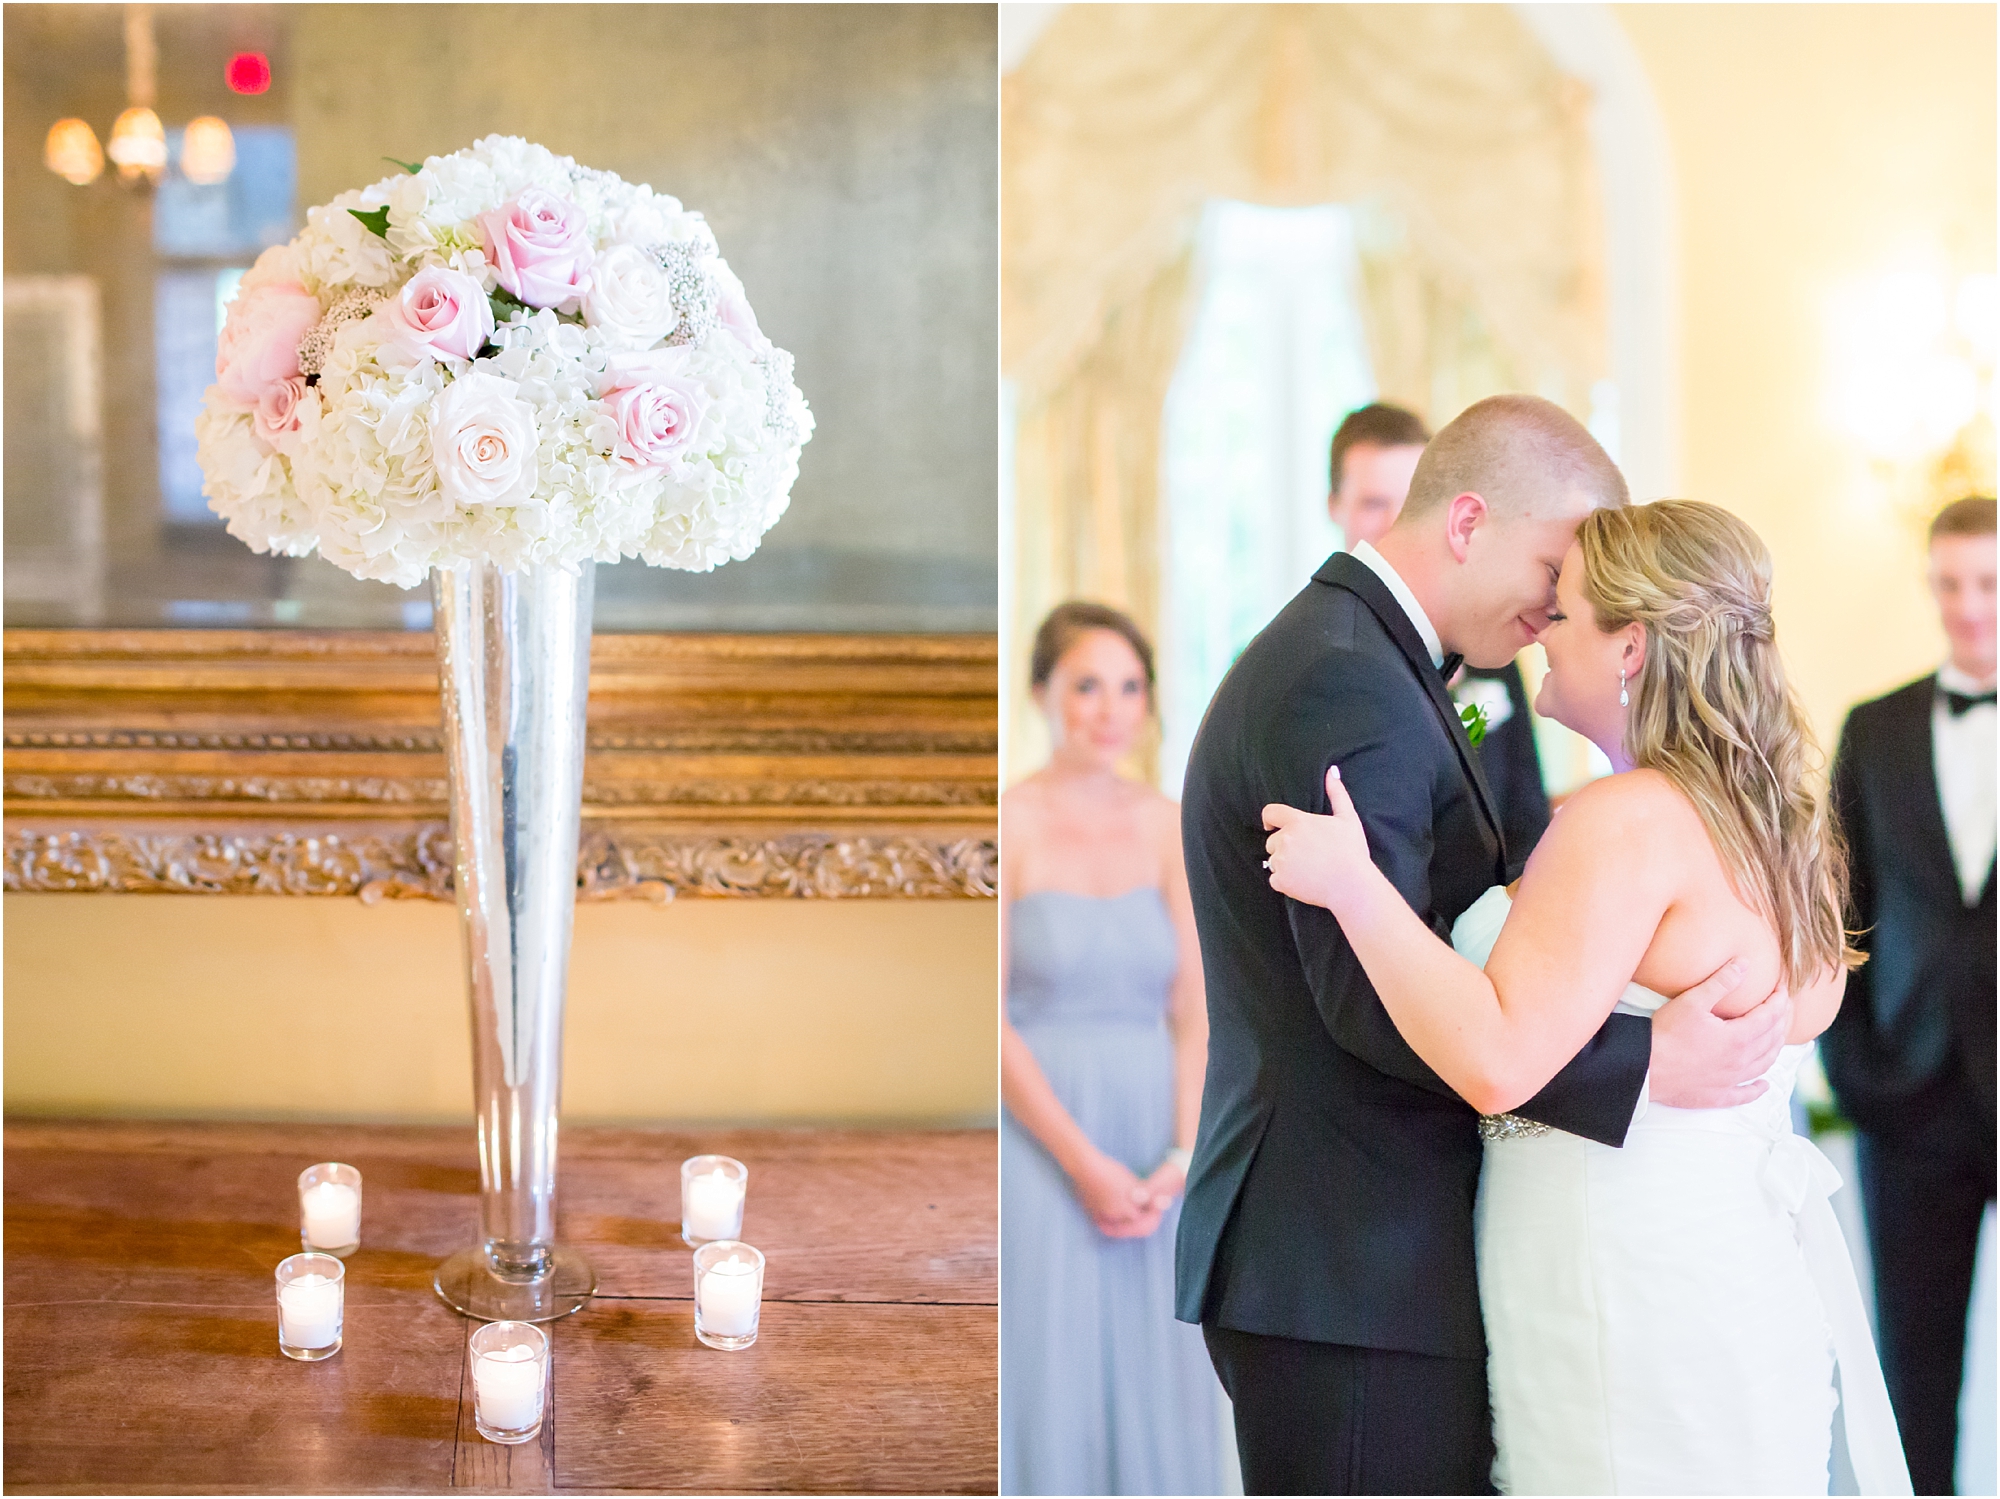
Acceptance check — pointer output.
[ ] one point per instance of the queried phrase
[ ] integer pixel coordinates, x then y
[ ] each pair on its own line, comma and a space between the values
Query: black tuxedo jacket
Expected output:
1922, 1007
1331, 1193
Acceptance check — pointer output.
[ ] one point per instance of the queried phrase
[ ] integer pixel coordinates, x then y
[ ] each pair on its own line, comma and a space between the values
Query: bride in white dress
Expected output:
1678, 1316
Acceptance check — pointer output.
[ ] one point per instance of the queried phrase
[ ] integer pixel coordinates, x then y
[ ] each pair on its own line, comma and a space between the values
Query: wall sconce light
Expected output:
1912, 361
72, 152
208, 150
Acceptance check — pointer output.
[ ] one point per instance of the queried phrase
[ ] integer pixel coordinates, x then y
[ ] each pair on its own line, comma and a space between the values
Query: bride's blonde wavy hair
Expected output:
1711, 710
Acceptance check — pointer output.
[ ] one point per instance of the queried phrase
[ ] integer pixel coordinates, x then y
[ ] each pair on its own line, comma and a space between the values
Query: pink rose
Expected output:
655, 405
733, 311
277, 415
439, 312
259, 346
540, 249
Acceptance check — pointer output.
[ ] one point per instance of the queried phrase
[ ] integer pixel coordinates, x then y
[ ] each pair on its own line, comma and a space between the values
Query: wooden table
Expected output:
141, 1323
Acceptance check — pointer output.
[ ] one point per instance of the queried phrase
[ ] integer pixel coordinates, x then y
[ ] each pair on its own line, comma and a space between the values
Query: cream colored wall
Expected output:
759, 1011
1813, 145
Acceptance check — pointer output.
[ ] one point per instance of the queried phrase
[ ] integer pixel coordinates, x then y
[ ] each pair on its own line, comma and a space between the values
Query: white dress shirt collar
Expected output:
1377, 564
1962, 752
1951, 679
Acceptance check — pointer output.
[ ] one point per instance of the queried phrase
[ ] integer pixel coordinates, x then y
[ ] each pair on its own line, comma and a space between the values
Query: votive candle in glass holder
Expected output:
510, 1375
712, 1191
311, 1296
330, 1209
728, 1293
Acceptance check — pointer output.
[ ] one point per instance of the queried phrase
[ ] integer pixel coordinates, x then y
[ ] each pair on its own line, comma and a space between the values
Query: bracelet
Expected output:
1180, 1157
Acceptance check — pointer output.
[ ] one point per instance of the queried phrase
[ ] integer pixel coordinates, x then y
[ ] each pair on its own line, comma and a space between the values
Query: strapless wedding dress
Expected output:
1671, 1317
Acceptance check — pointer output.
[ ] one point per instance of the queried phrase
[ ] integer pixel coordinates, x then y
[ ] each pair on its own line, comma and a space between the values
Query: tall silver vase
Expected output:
514, 670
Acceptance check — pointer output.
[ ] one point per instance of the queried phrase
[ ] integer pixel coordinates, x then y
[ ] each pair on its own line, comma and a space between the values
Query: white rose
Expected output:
636, 216
629, 298
483, 442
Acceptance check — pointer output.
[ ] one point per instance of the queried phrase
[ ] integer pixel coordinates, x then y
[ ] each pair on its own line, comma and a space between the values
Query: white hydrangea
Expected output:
338, 251
359, 479
247, 484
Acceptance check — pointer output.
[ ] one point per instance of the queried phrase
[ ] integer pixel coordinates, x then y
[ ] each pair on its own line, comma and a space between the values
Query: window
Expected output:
1276, 355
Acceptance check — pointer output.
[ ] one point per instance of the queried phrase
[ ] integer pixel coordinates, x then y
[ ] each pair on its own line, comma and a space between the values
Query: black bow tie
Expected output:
1448, 668
1962, 703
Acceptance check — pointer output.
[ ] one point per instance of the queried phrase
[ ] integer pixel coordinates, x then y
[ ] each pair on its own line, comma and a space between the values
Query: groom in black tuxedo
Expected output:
1326, 1243
1910, 1054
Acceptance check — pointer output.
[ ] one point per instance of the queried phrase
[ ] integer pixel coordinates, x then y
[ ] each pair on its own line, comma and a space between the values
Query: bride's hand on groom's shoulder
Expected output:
1316, 859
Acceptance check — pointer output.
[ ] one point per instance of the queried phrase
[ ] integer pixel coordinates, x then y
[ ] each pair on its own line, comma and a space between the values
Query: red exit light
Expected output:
249, 73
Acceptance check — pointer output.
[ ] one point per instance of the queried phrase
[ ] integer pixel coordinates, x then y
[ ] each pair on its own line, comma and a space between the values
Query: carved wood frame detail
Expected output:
310, 762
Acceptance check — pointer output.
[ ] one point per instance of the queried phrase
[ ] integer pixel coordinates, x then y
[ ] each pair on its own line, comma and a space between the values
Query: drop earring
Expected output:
1624, 698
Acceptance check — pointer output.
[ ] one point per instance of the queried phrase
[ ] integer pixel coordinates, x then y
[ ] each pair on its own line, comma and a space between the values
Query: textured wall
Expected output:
846, 157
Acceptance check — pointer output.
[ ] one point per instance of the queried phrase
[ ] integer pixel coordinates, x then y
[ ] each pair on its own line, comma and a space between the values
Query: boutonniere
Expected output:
1473, 716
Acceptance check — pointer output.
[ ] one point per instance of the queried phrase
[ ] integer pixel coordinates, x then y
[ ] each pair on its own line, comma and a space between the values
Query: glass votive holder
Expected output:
330, 1209
311, 1296
712, 1191
728, 1293
510, 1378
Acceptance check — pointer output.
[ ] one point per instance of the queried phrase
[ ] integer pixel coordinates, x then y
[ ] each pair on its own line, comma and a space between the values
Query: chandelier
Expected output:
138, 145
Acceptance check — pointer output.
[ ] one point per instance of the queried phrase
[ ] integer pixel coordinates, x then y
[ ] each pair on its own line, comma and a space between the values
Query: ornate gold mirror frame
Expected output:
309, 763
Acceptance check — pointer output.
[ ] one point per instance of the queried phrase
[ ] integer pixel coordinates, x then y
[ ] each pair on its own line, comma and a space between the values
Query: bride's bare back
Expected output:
1636, 833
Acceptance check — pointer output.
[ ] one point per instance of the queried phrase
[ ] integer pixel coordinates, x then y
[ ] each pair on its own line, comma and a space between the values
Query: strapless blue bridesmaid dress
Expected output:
1102, 1391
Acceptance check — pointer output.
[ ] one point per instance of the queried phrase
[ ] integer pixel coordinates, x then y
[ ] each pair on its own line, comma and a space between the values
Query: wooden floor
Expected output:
141, 1346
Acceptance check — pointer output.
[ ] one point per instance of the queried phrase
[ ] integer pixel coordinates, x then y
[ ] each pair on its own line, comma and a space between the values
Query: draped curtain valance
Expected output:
1462, 149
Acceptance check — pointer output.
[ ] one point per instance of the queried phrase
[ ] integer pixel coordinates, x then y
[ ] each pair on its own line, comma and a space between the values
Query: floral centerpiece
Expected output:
499, 356
498, 369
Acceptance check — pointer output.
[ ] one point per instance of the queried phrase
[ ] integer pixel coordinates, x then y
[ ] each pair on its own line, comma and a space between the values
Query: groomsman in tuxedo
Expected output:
1911, 1055
1375, 451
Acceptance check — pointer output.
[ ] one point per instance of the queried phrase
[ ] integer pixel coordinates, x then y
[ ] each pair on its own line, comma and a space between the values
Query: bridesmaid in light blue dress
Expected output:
1104, 1045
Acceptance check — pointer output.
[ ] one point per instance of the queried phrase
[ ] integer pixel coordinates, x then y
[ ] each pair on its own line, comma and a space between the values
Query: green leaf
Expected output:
376, 220
505, 304
412, 167
1474, 718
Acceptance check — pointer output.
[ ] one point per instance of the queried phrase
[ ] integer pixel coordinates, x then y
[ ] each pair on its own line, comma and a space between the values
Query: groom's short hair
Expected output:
1510, 449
